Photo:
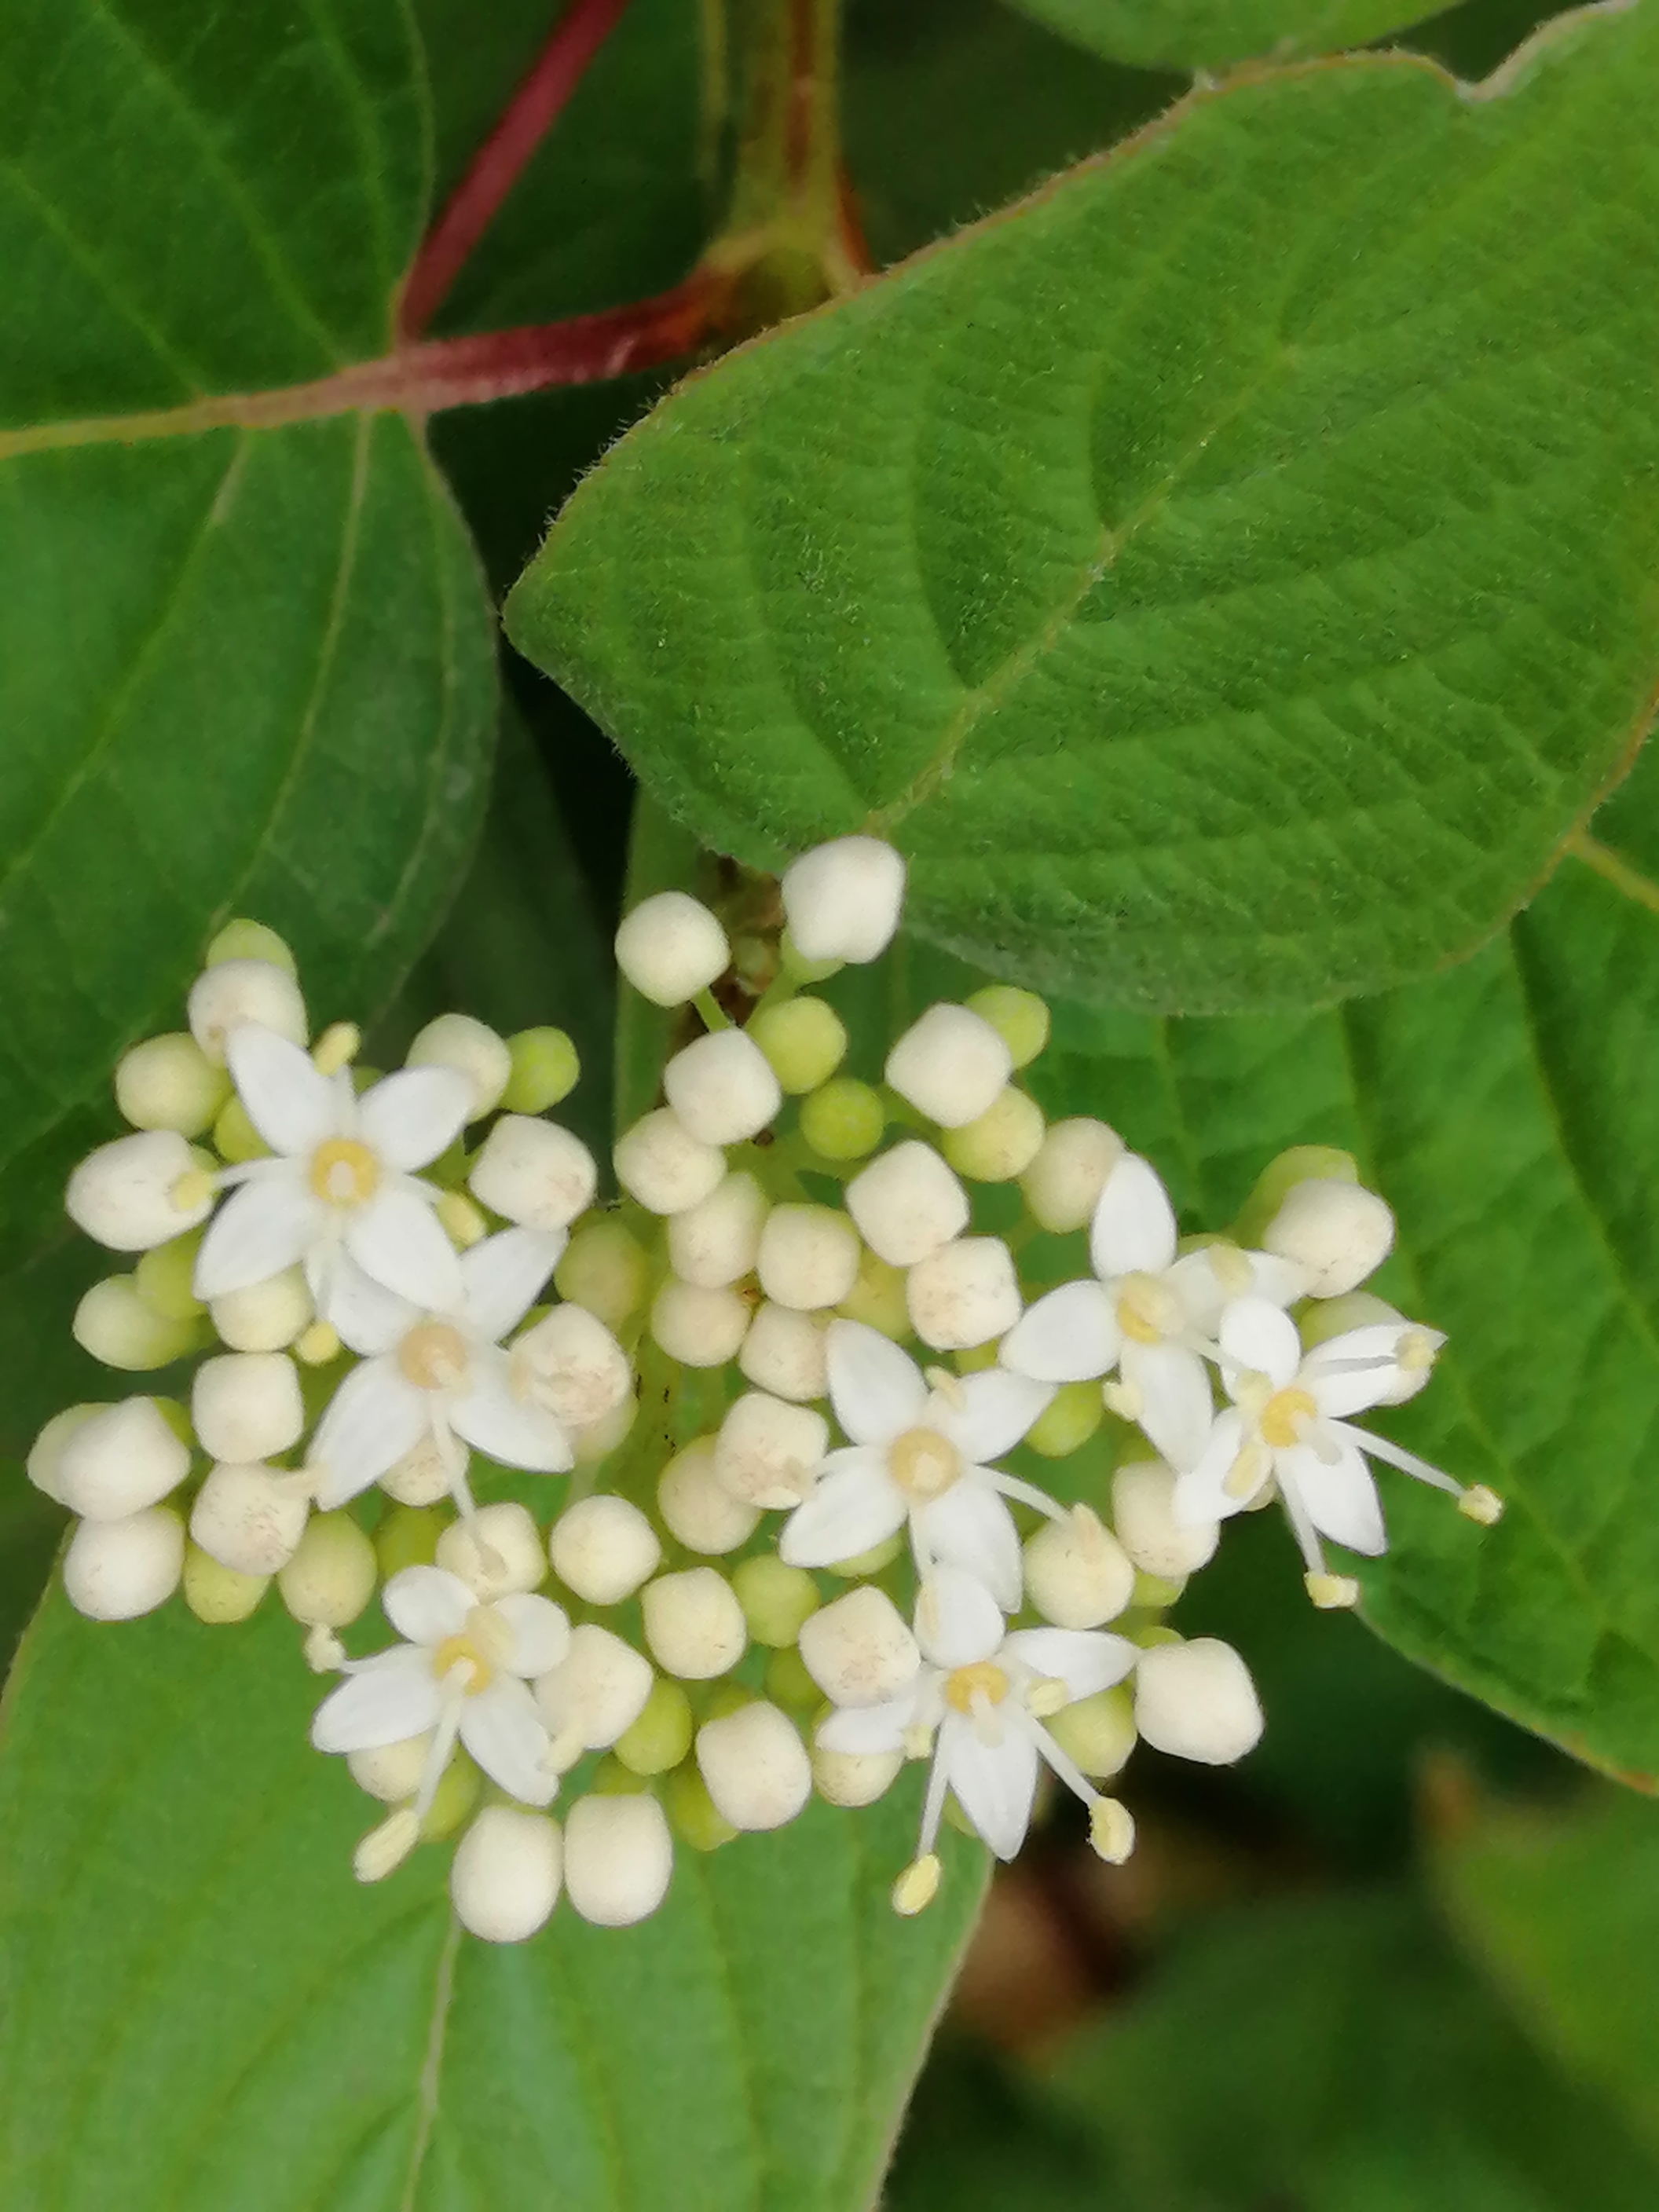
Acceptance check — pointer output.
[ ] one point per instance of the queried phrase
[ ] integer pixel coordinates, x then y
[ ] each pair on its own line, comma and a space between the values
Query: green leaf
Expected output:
1204, 34
1230, 625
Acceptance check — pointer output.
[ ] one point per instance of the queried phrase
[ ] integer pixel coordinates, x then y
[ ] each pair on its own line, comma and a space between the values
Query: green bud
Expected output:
1099, 1732
1019, 1018
250, 941
692, 1812
872, 1562
804, 1039
799, 970
1301, 1164
725, 1698
789, 1685
408, 1537
844, 1120
219, 1594
611, 1779
114, 1325
453, 1800
776, 1599
177, 1418
976, 1358
878, 1299
1320, 1319
1154, 1593
1149, 1634
234, 1137
661, 1736
546, 1069
162, 1278
331, 1576
1066, 1423
1002, 1143
604, 1270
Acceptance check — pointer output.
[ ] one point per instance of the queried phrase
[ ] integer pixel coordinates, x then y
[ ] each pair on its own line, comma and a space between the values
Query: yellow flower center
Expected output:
1148, 1310
473, 1657
344, 1172
984, 1678
923, 1463
434, 1356
1282, 1418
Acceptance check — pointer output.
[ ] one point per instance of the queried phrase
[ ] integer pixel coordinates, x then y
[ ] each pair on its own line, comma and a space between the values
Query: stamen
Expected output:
1332, 1593
917, 1887
1378, 1446
1479, 1505
337, 1047
386, 1847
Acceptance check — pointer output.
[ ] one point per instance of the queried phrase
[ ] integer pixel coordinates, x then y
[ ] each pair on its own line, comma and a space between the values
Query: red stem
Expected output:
522, 125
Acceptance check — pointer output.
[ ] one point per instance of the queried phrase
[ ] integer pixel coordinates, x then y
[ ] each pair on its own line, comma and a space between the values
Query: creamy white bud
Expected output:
694, 1624
1197, 1701
950, 1066
671, 947
808, 1257
266, 1316
697, 1509
755, 1767
908, 1204
119, 1460
1144, 1519
534, 1173
472, 1049
784, 1353
714, 1244
331, 1575
859, 1649
1077, 1573
603, 1548
246, 1405
117, 1569
43, 1465
235, 991
768, 1452
1063, 1183
964, 1295
504, 1877
698, 1328
498, 1551
618, 1857
1337, 1233
722, 1088
124, 1194
661, 1165
842, 901
597, 1440
570, 1366
597, 1691
421, 1477
115, 1323
169, 1083
853, 1779
391, 1772
251, 1518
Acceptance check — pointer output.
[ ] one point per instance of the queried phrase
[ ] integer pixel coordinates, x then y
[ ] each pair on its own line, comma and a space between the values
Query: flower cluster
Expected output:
780, 1375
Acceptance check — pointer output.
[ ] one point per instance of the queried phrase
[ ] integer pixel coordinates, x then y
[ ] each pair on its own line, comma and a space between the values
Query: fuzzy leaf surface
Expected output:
1204, 34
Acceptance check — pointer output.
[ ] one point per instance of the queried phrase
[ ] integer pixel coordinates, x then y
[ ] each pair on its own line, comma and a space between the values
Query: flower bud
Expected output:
1067, 1421
950, 1065
1144, 1518
696, 1508
246, 1405
597, 1440
842, 900
808, 1257
234, 1137
721, 1088
543, 1070
776, 1599
595, 1694
408, 1537
1197, 1701
331, 1575
233, 991
169, 1083
534, 1173
671, 947
43, 1465
804, 1040
1300, 1164
618, 1857
457, 1792
164, 1278
692, 1812
1077, 1573
843, 1120
117, 1461
497, 1553
113, 1323
784, 1353
768, 1452
421, 1477
117, 1569
218, 1595
264, 1317
694, 1624
251, 1518
661, 1165
570, 1364
473, 1049
859, 1651
391, 1772
1098, 1733
1019, 1018
755, 1767
964, 1295
604, 1270
603, 1548
1337, 1233
659, 1735
251, 940
908, 1204
854, 1779
1002, 1143
698, 1328
878, 1299
504, 1877
1063, 1183
123, 1195
714, 1244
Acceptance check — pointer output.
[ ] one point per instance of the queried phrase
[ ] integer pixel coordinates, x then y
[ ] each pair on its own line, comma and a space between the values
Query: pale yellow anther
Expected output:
317, 1345
965, 1686
923, 1463
1148, 1310
192, 1190
434, 1356
1282, 1418
461, 1221
1111, 1830
917, 1739
1479, 1505
1123, 1399
1232, 1270
344, 1172
387, 1846
917, 1887
1416, 1354
336, 1047
1332, 1593
1046, 1697
1244, 1477
948, 1386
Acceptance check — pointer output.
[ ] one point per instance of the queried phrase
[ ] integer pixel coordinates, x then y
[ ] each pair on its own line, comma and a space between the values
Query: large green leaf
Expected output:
1204, 34
1227, 575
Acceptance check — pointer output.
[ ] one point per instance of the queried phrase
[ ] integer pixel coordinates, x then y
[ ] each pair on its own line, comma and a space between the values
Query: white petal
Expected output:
969, 1526
1196, 1285
1134, 1224
408, 1118
1177, 1409
370, 1317
388, 1698
875, 1389
503, 1731
396, 1239
541, 1632
1339, 1394
502, 1276
855, 1504
1084, 1659
426, 1604
957, 1619
1070, 1336
374, 1417
1200, 1494
995, 1786
288, 1103
496, 1423
996, 1411
869, 1728
260, 1230
1281, 1282
1258, 1336
1339, 1496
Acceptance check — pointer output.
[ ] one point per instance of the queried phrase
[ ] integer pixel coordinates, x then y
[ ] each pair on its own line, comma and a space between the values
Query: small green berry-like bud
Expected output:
454, 1799
843, 1120
250, 941
1019, 1018
611, 1779
777, 1600
875, 1561
1002, 1144
1099, 1732
789, 1683
113, 1323
163, 1276
169, 1083
234, 1137
692, 1812
1068, 1422
805, 1040
331, 1577
546, 1070
878, 1299
219, 1594
408, 1537
1301, 1164
661, 1736
798, 968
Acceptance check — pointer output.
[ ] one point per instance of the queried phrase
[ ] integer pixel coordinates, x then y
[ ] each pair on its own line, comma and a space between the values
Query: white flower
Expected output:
464, 1670
979, 1700
1287, 1426
340, 1195
1149, 1314
445, 1377
919, 1454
